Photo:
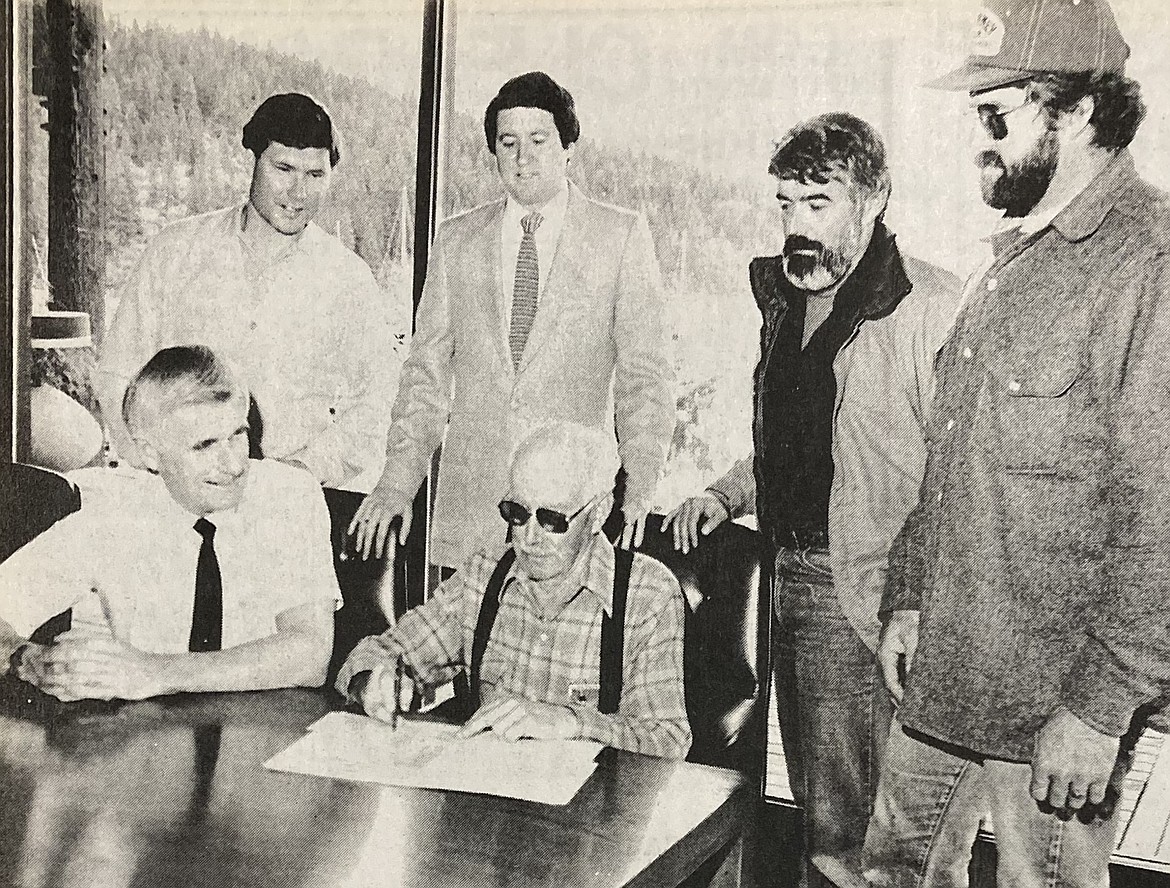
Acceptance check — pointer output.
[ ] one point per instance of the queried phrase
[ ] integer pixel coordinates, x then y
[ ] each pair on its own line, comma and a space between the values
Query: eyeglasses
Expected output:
551, 520
994, 118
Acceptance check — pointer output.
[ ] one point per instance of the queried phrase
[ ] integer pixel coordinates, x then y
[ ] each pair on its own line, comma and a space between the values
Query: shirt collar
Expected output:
551, 213
592, 573
1083, 215
170, 510
309, 234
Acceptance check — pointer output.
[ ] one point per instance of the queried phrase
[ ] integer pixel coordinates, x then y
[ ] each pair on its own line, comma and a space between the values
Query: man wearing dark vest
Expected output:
558, 635
850, 328
201, 571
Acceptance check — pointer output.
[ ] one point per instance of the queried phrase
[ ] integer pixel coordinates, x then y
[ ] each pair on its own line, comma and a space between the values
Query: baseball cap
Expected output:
1015, 39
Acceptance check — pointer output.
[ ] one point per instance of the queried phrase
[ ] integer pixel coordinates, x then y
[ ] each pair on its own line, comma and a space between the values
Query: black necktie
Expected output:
207, 617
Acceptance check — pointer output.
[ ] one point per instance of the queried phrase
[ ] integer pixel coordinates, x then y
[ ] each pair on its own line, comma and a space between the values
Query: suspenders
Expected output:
612, 631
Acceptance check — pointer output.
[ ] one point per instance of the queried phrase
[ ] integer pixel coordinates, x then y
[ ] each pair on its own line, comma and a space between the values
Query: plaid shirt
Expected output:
552, 654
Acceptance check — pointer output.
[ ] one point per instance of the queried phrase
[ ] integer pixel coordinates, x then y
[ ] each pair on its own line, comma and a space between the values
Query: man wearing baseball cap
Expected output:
1025, 633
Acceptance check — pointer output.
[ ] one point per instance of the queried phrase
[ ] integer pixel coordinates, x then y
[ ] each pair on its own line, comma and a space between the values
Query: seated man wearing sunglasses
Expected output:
555, 634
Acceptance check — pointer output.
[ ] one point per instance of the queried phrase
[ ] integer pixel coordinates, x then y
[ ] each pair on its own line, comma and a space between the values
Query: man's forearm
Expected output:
665, 738
288, 659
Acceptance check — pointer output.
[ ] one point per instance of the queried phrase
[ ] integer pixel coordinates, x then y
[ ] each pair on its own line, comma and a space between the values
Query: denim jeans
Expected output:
834, 715
931, 803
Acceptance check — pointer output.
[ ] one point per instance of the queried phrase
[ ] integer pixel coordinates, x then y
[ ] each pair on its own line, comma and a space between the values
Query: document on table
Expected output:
422, 754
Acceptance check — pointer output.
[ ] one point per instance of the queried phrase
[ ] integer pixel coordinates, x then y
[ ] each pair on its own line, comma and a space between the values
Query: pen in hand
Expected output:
397, 692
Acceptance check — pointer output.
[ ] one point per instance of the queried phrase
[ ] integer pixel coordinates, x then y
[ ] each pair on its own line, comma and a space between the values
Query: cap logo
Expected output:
988, 36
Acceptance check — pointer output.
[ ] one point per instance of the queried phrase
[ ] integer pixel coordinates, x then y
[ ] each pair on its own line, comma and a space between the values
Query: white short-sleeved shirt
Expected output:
131, 553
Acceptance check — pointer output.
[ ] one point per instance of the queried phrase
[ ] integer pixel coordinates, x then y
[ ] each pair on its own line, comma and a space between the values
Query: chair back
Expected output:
362, 583
34, 499
726, 648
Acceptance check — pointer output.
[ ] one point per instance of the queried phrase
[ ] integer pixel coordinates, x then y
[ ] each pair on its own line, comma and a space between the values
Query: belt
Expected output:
800, 539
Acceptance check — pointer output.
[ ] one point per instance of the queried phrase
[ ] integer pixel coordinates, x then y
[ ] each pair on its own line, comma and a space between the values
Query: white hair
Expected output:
587, 456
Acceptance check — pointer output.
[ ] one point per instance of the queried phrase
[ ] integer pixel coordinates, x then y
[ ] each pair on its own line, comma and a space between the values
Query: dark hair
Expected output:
1118, 109
812, 151
534, 90
294, 120
178, 376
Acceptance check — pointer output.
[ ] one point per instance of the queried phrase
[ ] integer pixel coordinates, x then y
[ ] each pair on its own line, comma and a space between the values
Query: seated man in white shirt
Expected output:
200, 571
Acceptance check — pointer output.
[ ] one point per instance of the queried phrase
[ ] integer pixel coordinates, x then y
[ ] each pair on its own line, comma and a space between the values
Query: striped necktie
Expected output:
524, 290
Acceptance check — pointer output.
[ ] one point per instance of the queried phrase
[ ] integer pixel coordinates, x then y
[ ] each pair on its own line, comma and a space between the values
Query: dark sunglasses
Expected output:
994, 118
551, 520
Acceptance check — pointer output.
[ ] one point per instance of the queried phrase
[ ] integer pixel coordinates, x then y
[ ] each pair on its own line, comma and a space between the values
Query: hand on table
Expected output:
694, 517
514, 718
82, 665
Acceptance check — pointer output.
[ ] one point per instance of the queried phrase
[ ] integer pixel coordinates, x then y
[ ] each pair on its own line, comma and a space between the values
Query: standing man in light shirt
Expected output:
545, 305
202, 571
267, 288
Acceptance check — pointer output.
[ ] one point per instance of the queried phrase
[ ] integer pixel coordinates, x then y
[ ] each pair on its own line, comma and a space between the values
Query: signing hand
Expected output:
371, 522
377, 697
82, 665
896, 649
514, 718
696, 516
1072, 762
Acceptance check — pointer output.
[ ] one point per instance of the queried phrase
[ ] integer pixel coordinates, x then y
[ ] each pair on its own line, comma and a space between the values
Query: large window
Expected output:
179, 81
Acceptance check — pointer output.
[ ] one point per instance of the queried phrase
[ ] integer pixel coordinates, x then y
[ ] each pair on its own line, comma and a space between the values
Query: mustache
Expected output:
795, 243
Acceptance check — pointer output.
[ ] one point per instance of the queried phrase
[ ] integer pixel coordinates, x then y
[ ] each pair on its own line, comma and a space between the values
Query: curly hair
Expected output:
812, 151
1118, 109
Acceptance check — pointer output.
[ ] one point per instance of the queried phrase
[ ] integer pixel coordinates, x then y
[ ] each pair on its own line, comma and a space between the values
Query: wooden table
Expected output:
172, 792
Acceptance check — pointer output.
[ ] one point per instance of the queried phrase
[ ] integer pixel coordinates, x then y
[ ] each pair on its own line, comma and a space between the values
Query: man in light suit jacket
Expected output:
543, 306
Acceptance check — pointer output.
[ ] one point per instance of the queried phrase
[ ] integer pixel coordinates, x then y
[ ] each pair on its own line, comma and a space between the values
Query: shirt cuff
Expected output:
724, 500
1100, 693
369, 653
593, 725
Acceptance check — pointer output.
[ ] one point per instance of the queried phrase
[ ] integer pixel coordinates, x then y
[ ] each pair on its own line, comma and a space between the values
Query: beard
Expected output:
1018, 188
812, 265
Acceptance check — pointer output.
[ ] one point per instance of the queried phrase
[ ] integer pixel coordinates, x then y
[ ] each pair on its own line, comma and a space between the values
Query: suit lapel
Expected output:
492, 294
562, 274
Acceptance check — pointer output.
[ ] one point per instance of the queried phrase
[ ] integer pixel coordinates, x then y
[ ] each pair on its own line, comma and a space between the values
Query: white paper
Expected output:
344, 746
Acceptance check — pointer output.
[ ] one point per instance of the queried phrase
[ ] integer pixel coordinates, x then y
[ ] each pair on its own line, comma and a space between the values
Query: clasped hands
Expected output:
86, 665
507, 717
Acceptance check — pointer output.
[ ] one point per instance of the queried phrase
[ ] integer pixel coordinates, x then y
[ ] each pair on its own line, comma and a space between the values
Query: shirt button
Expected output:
544, 636
950, 424
992, 283
1013, 387
939, 497
967, 353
